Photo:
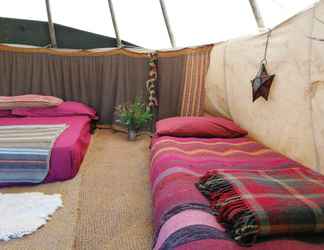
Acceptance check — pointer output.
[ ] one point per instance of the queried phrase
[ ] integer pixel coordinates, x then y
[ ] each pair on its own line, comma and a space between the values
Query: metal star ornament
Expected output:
261, 84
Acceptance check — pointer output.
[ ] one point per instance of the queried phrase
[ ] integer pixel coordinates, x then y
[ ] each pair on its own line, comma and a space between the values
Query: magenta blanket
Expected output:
70, 147
182, 217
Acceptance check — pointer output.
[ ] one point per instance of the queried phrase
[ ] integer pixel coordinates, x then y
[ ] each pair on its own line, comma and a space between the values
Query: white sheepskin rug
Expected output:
24, 213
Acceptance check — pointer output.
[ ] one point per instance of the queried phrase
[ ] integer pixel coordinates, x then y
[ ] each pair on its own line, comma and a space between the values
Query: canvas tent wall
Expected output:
292, 121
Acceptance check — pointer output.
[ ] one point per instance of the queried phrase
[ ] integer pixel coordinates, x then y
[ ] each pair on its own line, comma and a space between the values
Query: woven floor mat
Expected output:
59, 232
115, 199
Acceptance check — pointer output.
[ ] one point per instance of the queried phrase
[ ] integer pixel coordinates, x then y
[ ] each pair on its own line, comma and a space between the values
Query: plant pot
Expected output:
132, 135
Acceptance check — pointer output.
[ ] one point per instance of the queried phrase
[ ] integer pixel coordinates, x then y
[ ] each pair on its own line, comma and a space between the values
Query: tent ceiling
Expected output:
193, 22
27, 32
281, 9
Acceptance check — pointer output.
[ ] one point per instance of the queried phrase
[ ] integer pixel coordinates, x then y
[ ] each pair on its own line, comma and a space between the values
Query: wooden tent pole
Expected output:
257, 13
113, 18
51, 27
167, 23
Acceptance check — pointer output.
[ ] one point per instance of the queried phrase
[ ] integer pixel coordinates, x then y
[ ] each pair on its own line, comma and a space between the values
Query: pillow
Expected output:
28, 101
64, 109
203, 127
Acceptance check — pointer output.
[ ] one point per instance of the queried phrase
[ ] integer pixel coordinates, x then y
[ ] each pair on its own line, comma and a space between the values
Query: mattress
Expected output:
182, 217
70, 147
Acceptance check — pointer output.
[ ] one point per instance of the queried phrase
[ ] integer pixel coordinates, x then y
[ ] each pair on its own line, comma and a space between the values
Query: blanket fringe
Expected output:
239, 219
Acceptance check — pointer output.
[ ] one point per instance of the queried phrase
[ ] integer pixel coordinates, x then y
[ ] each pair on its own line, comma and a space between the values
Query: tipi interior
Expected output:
216, 146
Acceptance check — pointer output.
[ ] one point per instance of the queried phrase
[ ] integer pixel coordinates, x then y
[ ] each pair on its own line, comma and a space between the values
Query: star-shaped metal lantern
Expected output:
261, 84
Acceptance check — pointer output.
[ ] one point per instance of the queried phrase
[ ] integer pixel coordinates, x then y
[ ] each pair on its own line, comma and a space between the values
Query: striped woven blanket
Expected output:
25, 152
183, 219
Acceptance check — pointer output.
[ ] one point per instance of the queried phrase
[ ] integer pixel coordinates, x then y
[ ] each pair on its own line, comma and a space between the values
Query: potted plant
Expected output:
134, 116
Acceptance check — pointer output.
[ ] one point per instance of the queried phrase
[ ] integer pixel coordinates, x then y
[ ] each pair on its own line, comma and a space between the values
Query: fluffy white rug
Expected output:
24, 213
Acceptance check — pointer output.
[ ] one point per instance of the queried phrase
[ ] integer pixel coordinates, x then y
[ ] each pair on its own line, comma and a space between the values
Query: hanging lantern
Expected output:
262, 82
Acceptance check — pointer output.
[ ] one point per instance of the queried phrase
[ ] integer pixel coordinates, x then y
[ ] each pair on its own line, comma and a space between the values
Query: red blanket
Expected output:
253, 203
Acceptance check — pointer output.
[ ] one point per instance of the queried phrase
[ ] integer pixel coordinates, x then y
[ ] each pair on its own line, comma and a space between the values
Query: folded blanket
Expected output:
254, 203
25, 152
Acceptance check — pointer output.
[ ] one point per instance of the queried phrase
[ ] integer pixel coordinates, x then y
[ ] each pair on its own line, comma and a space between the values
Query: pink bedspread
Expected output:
70, 147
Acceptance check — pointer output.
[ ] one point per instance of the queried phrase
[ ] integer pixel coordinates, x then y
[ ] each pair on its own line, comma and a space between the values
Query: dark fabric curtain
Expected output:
105, 79
99, 81
171, 83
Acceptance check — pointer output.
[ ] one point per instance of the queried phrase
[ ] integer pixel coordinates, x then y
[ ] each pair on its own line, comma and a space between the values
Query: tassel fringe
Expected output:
239, 219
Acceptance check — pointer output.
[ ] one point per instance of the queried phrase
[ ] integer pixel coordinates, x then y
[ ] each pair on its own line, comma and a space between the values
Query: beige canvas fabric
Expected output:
292, 121
216, 97
317, 82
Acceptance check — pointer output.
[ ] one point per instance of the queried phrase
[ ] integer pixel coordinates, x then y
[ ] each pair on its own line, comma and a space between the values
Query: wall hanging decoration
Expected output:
151, 82
262, 82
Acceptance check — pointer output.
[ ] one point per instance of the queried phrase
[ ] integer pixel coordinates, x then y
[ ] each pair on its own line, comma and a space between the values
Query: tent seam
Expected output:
225, 79
317, 158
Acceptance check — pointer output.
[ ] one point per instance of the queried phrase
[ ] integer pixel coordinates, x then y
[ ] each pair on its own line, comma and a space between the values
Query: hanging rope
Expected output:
264, 60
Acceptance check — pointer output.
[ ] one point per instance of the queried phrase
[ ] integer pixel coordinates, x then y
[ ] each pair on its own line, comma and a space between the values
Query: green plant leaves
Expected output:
135, 115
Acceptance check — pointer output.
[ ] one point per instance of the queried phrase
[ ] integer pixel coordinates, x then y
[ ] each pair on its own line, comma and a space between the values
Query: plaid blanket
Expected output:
253, 203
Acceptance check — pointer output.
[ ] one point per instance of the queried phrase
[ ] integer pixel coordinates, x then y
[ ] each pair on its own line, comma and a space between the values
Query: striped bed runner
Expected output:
25, 152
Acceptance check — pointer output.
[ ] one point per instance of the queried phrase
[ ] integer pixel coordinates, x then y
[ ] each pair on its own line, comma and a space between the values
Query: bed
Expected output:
70, 147
182, 217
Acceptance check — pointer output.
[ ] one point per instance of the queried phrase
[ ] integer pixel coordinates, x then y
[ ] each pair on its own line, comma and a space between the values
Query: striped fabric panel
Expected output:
168, 142
207, 152
196, 68
184, 219
179, 209
193, 233
25, 152
199, 155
